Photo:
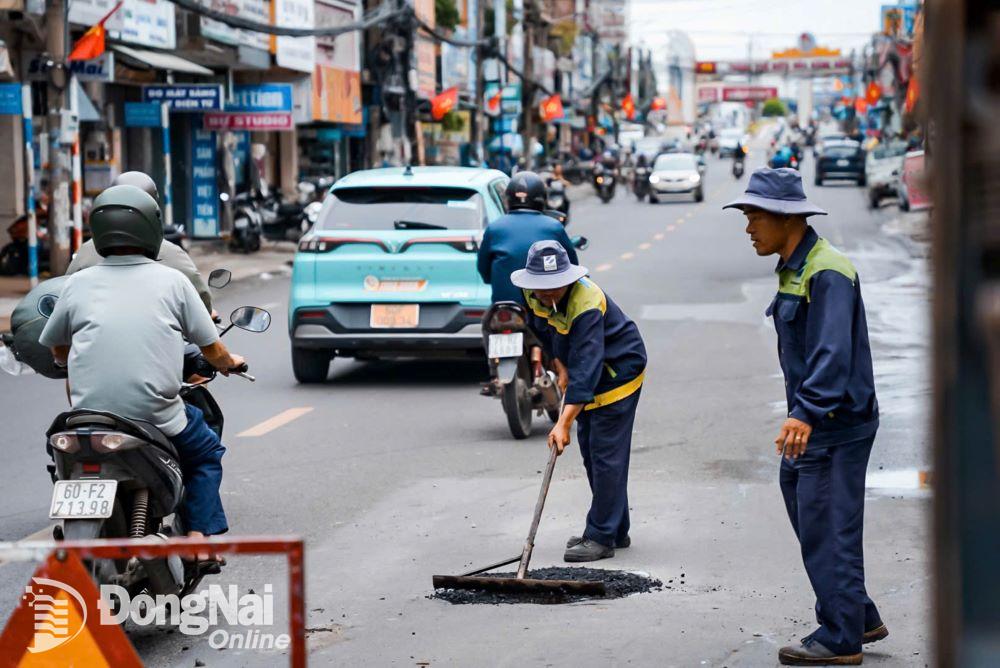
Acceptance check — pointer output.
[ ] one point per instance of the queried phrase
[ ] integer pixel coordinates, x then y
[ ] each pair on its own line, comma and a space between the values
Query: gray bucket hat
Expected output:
548, 268
778, 191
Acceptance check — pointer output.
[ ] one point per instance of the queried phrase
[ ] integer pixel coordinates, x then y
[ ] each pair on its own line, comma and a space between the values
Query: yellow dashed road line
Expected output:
670, 228
627, 256
645, 246
604, 267
659, 236
279, 420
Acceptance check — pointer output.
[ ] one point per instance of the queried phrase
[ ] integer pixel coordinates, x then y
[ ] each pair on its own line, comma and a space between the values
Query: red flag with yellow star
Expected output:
628, 106
552, 108
444, 102
91, 45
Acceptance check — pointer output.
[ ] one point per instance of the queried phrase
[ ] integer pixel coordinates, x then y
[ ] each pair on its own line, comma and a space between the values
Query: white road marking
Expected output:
40, 536
279, 420
645, 245
659, 236
604, 267
627, 256
671, 228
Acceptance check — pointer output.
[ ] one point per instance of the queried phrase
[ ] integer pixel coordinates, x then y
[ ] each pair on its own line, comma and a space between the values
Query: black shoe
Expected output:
875, 634
619, 545
588, 550
811, 653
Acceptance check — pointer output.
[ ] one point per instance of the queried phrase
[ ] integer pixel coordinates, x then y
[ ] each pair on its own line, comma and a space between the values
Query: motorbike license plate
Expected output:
506, 345
395, 316
83, 499
843, 163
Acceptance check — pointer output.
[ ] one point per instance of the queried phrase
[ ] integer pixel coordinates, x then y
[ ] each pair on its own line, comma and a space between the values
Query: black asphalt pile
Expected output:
618, 584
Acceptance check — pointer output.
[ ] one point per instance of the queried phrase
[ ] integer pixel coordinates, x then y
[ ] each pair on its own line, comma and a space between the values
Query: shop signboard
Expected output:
898, 20
336, 82
268, 97
456, 62
252, 122
144, 22
425, 59
204, 186
707, 94
37, 65
142, 115
10, 99
748, 93
185, 97
216, 30
295, 53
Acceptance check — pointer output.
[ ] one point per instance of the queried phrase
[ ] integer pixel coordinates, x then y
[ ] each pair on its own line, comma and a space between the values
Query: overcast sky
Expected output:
722, 29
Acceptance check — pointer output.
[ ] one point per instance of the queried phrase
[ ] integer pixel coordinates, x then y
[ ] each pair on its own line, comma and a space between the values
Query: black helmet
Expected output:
125, 216
140, 180
526, 190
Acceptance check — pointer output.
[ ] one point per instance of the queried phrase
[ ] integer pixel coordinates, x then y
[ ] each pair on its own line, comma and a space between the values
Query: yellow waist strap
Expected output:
617, 394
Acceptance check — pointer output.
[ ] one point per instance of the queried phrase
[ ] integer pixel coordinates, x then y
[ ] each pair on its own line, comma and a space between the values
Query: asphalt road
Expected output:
393, 472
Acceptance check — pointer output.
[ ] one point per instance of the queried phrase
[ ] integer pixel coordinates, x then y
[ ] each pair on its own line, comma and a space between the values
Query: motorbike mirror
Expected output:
251, 318
220, 278
580, 243
558, 215
46, 305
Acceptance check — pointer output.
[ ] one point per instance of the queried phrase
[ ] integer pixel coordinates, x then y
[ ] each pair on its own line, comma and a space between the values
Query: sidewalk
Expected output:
274, 257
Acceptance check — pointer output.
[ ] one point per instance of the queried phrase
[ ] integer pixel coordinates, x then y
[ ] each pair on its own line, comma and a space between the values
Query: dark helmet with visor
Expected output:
126, 217
526, 190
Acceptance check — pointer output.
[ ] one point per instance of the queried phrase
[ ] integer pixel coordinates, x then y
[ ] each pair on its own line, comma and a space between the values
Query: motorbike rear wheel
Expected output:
517, 407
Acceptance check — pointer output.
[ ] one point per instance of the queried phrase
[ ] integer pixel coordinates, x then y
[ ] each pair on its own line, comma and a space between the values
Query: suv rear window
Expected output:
402, 209
840, 152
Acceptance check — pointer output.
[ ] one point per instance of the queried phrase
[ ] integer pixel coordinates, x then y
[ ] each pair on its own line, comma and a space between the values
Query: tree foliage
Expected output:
774, 107
446, 14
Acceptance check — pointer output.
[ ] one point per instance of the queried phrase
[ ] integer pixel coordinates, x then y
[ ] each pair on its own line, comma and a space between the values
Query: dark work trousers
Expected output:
824, 492
605, 436
200, 453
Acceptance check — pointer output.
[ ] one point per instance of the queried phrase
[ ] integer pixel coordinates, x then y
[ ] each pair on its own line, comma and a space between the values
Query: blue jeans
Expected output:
200, 453
824, 492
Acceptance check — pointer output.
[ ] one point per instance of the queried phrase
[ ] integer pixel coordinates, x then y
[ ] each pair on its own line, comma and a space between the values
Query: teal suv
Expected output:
389, 268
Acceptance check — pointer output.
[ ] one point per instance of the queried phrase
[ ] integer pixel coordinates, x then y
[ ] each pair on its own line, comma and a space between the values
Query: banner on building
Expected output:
295, 53
898, 21
144, 22
251, 122
142, 115
204, 186
706, 95
336, 79
185, 97
748, 93
425, 52
36, 65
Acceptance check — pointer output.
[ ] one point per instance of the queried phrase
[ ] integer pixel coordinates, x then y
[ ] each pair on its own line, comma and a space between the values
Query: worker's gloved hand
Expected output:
559, 437
793, 438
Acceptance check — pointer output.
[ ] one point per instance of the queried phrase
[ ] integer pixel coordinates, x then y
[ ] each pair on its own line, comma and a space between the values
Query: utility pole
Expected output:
479, 132
60, 160
528, 88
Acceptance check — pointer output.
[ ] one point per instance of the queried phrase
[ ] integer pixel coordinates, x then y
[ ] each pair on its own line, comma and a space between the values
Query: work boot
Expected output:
810, 652
619, 544
588, 550
875, 634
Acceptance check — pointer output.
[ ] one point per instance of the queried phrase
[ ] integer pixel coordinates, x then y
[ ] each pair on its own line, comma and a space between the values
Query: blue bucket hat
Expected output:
778, 191
548, 268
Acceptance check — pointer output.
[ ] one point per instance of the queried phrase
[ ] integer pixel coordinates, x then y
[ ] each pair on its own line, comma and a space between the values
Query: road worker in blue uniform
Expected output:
601, 361
506, 241
827, 438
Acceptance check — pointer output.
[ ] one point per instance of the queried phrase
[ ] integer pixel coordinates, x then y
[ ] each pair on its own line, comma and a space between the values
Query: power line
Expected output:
381, 15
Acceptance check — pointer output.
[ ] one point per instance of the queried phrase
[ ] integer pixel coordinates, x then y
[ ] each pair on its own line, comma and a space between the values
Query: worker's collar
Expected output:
798, 257
125, 260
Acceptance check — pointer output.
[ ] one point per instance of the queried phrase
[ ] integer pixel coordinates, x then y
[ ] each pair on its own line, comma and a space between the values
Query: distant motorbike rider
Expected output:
506, 241
120, 327
170, 254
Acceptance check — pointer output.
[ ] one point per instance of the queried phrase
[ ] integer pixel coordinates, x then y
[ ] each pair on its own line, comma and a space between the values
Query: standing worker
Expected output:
827, 438
601, 361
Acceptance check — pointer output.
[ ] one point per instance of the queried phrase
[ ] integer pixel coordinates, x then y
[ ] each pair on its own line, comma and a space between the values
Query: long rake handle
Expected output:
529, 544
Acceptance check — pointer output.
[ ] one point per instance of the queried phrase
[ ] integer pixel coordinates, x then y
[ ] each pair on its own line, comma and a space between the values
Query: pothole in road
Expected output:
618, 584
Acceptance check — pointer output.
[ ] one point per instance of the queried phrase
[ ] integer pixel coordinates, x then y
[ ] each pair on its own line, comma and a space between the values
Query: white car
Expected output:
675, 173
883, 167
729, 139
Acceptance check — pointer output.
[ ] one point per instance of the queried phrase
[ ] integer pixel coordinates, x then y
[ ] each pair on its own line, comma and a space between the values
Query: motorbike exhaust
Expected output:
548, 388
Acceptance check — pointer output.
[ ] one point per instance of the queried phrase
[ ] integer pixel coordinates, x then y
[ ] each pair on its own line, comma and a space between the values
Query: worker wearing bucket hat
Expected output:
601, 360
827, 437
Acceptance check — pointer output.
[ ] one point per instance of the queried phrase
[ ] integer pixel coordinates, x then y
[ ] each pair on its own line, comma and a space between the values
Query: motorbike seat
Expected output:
139, 428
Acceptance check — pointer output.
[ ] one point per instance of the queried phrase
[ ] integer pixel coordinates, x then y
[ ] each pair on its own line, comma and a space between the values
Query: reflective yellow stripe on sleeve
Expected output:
617, 394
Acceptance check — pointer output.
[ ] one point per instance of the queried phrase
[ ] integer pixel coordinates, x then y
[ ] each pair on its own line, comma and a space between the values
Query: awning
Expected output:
86, 110
162, 61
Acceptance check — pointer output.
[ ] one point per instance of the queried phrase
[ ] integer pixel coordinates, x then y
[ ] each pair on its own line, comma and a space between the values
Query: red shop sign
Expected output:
259, 122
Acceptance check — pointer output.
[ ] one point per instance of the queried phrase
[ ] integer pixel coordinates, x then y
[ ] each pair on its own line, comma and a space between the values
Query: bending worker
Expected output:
827, 438
601, 360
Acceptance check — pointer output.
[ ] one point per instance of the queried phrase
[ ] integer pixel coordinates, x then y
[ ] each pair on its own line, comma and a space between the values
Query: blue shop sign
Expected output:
10, 99
262, 98
204, 187
142, 115
185, 97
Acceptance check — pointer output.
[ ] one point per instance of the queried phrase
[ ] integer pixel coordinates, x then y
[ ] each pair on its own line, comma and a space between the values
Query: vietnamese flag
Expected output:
91, 45
860, 105
628, 106
552, 108
658, 104
493, 104
873, 93
443, 103
912, 94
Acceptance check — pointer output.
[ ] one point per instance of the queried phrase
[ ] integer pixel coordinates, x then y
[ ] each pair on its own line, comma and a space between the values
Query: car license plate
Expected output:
86, 499
506, 345
395, 316
843, 163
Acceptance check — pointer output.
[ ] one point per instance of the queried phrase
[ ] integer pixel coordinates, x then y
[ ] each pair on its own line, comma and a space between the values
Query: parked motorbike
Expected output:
120, 478
604, 183
640, 184
248, 225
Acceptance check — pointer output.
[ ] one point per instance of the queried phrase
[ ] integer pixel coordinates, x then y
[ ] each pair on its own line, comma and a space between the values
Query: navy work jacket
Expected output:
823, 343
600, 346
505, 245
